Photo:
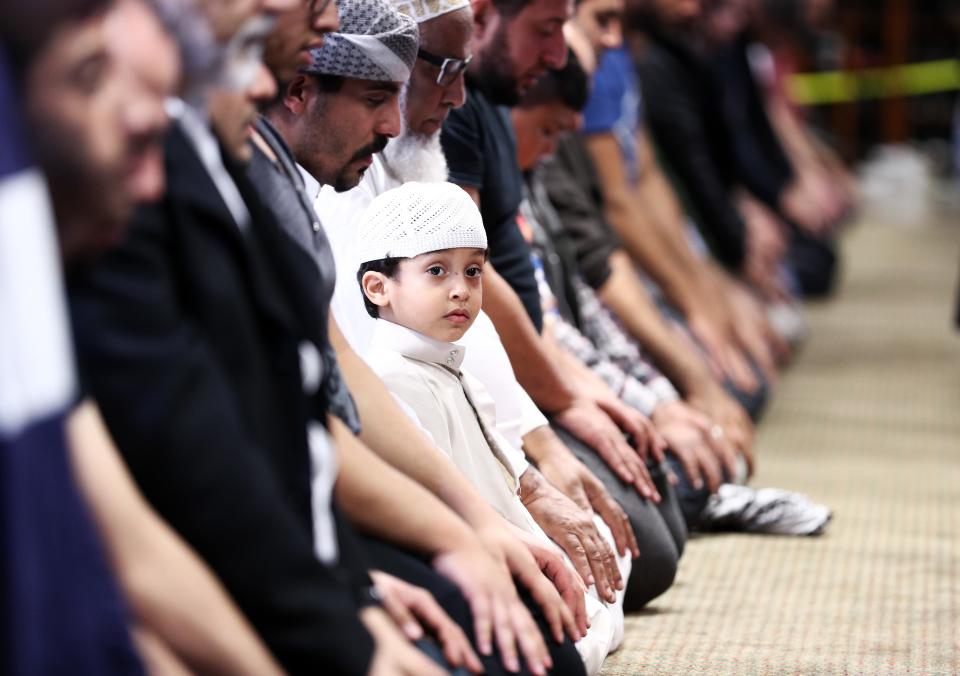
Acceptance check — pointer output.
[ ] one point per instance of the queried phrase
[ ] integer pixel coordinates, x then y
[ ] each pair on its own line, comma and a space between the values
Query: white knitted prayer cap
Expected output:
424, 10
418, 218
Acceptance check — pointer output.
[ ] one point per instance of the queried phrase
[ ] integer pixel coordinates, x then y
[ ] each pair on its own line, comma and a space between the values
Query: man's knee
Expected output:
654, 572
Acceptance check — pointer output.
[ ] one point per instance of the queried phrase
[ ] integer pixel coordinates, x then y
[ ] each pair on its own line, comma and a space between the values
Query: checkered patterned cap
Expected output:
375, 42
418, 218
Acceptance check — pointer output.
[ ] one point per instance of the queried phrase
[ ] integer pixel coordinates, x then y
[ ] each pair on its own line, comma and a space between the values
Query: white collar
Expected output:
310, 184
417, 346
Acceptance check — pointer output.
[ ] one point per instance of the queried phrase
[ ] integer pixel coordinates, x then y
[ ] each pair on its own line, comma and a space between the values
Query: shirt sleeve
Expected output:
682, 141
462, 144
604, 107
573, 190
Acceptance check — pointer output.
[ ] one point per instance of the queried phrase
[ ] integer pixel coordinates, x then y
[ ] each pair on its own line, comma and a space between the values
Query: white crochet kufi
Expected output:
375, 42
418, 218
424, 10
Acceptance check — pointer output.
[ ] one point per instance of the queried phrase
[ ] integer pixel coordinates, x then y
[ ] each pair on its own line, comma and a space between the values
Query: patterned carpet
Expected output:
867, 421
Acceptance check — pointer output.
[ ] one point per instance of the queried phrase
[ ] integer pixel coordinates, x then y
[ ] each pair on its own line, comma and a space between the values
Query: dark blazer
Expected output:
685, 113
188, 335
762, 163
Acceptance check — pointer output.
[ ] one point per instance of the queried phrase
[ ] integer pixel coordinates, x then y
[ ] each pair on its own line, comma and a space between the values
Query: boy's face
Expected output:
437, 294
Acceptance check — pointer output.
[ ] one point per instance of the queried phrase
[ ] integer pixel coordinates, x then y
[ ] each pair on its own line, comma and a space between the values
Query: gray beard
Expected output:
415, 157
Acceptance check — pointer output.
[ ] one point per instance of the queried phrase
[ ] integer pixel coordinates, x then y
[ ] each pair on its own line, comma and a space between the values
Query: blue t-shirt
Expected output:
61, 611
614, 105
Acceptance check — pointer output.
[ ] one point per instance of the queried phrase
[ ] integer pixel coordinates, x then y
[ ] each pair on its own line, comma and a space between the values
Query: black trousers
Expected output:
413, 569
660, 529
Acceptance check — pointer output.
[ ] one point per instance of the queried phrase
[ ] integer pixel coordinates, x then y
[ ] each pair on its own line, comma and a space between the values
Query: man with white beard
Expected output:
436, 87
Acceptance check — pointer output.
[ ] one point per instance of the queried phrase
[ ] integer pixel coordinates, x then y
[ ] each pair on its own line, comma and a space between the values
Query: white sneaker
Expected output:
765, 510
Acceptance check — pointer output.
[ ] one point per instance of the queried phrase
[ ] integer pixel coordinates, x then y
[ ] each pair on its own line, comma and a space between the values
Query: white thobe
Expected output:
453, 408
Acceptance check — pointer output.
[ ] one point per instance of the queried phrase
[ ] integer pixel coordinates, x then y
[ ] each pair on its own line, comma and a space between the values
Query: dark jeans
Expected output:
413, 569
660, 529
813, 262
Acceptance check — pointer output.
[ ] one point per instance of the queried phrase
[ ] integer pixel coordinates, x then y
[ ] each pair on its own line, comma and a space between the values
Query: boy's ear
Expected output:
374, 288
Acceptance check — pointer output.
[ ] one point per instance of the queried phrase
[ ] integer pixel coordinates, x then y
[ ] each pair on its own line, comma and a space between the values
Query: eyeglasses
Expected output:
449, 68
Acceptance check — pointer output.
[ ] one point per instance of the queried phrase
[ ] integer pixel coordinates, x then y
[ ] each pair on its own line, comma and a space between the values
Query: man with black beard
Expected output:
515, 42
355, 103
210, 380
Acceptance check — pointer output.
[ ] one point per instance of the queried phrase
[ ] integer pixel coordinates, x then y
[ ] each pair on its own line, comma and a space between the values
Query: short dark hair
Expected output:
328, 84
27, 26
510, 8
385, 266
569, 85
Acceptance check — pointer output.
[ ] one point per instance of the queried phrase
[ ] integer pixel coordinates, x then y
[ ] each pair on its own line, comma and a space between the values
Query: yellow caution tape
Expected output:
840, 86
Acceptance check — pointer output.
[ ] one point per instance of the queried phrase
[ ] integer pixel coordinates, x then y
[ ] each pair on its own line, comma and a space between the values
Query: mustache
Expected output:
379, 143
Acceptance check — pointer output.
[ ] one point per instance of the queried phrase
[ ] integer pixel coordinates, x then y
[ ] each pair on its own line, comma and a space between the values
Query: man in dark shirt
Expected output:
228, 438
61, 611
518, 42
514, 44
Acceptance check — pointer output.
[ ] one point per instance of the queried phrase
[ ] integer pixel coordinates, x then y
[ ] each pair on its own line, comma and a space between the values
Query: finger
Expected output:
456, 646
608, 562
610, 558
579, 557
658, 446
723, 450
612, 455
604, 559
690, 466
429, 612
642, 481
482, 622
598, 567
402, 617
505, 639
618, 522
740, 371
572, 614
532, 647
711, 469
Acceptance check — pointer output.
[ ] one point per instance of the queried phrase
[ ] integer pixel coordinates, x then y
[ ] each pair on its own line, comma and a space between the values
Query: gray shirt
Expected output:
282, 189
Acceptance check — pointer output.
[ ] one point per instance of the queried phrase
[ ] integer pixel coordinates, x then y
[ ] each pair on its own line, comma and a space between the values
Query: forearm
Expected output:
629, 301
392, 435
586, 382
536, 371
658, 196
542, 445
172, 592
383, 502
642, 238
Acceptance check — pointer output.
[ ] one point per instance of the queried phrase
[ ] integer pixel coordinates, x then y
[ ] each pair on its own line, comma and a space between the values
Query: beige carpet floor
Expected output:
867, 420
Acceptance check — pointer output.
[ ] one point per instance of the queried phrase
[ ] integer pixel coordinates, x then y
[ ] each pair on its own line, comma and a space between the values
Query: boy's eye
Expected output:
474, 271
435, 270
375, 102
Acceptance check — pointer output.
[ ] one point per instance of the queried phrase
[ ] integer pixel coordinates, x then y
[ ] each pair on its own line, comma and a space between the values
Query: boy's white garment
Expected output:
424, 374
339, 213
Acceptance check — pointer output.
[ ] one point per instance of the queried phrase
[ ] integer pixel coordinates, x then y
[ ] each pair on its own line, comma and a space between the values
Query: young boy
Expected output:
424, 249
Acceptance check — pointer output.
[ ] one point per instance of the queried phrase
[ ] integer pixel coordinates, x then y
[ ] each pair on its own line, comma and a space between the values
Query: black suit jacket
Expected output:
685, 113
188, 336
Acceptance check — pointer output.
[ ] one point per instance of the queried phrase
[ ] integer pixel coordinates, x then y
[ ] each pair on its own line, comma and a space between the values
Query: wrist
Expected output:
542, 445
531, 483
